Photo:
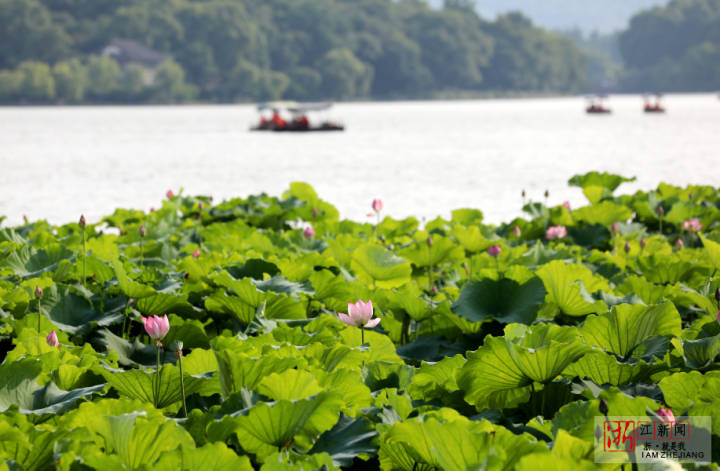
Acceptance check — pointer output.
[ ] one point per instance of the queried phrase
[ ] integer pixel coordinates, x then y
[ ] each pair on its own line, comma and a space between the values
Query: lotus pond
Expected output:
495, 346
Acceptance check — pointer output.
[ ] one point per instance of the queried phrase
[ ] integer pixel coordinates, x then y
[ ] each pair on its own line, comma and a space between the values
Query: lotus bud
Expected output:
690, 195
309, 232
25, 219
186, 276
200, 205
718, 317
82, 222
679, 243
494, 250
547, 193
523, 193
38, 292
603, 407
169, 193
52, 339
660, 210
315, 212
152, 209
434, 290
377, 205
382, 239
429, 241
142, 231
566, 204
614, 228
156, 327
643, 243
196, 254
627, 247
717, 295
666, 415
516, 231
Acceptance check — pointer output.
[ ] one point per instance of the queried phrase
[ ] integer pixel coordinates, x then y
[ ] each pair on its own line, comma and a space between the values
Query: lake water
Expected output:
422, 158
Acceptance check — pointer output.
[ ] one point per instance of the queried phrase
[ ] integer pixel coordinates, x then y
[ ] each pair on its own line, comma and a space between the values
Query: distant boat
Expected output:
298, 121
653, 107
596, 106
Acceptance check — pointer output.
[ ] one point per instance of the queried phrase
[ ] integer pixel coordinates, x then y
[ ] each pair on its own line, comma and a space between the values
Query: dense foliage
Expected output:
674, 48
495, 346
227, 50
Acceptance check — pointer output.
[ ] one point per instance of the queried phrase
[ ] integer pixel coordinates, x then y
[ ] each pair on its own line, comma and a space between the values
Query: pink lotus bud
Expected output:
82, 222
196, 254
717, 295
666, 415
718, 316
201, 205
494, 250
38, 292
660, 210
614, 228
309, 232
643, 243
429, 241
523, 193
567, 205
377, 205
142, 231
156, 327
516, 231
679, 243
555, 232
627, 247
693, 225
315, 212
52, 339
25, 218
547, 193
152, 209
170, 194
434, 290
603, 407
359, 315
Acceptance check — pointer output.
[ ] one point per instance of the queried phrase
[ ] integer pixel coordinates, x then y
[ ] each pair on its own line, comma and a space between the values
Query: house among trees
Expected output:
129, 51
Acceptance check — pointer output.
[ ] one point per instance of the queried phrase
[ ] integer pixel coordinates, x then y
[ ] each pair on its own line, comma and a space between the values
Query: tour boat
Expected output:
596, 106
653, 107
298, 120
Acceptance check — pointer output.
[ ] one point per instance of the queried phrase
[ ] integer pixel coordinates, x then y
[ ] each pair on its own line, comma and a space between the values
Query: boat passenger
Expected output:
304, 122
277, 120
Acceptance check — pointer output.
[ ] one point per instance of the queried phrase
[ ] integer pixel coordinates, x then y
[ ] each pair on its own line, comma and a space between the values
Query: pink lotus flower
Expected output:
516, 231
666, 415
377, 205
156, 327
567, 205
370, 215
693, 225
679, 244
555, 232
309, 232
170, 193
359, 315
196, 254
52, 339
494, 250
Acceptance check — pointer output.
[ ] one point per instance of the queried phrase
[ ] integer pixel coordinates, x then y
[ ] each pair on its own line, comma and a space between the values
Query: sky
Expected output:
588, 15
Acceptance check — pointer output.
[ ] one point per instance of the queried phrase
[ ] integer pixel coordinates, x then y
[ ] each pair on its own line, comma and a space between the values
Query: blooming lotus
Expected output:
666, 415
555, 232
377, 205
309, 232
693, 225
156, 327
52, 339
494, 250
359, 315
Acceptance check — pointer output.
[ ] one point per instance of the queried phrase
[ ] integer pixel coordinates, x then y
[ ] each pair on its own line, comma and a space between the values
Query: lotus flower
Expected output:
156, 327
377, 205
516, 231
555, 232
196, 254
666, 415
170, 193
52, 339
494, 250
693, 225
309, 232
359, 315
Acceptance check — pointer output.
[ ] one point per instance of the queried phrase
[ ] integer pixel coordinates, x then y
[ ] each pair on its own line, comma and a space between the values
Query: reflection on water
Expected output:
422, 158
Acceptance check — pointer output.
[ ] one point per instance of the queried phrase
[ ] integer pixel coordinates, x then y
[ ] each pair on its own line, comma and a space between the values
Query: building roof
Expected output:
129, 50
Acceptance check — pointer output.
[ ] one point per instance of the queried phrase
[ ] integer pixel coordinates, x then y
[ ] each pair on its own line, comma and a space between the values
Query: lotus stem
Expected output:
156, 394
84, 256
127, 304
362, 335
178, 354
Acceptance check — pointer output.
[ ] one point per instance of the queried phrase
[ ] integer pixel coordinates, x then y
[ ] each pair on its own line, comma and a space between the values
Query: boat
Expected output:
653, 107
271, 117
596, 105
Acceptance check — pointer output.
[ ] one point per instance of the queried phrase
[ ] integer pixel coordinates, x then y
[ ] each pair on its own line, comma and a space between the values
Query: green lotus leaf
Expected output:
701, 353
28, 262
433, 380
540, 254
347, 440
503, 300
268, 428
589, 236
712, 249
72, 313
681, 212
27, 446
163, 303
132, 353
665, 269
603, 368
378, 266
466, 216
471, 238
215, 456
237, 371
626, 326
604, 213
130, 288
281, 461
597, 185
565, 284
349, 385
289, 385
254, 268
551, 462
423, 255
304, 192
140, 384
681, 390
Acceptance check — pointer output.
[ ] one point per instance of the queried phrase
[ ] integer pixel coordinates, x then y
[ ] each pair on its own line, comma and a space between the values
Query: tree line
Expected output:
242, 50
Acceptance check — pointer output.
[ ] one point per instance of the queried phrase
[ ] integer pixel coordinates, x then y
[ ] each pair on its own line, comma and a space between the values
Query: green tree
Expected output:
10, 83
70, 81
104, 77
37, 83
344, 75
132, 84
170, 86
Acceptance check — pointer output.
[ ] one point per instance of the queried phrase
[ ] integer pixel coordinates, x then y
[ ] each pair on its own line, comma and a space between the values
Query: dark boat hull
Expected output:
291, 129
